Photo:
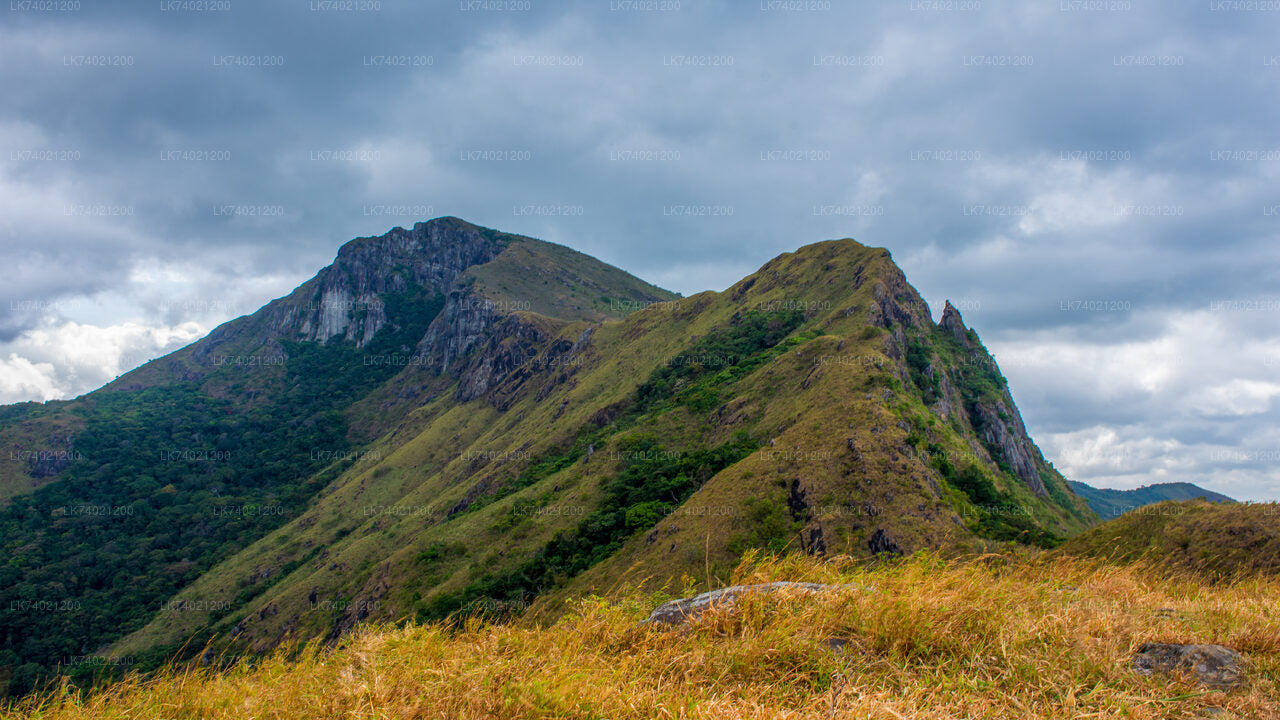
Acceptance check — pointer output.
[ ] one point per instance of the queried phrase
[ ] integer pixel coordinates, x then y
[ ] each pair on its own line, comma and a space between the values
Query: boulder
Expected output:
677, 612
1213, 666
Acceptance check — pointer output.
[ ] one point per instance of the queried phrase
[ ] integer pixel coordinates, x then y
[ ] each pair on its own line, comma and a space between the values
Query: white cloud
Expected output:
1169, 405
1102, 451
66, 359
1234, 398
21, 380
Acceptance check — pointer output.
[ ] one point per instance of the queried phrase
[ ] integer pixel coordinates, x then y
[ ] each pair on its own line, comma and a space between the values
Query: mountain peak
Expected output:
953, 323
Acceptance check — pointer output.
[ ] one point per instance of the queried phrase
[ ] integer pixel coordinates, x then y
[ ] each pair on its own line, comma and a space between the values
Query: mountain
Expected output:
1108, 503
451, 418
122, 497
1219, 540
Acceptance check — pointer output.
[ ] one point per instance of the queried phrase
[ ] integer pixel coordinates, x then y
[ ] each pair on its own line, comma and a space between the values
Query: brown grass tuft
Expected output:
926, 639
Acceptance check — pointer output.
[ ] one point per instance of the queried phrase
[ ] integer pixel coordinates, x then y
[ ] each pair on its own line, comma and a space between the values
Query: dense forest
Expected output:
169, 480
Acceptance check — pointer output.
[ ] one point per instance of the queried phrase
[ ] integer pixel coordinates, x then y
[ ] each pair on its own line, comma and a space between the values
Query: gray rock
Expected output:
837, 644
954, 324
1004, 435
344, 299
53, 459
677, 612
997, 421
1211, 665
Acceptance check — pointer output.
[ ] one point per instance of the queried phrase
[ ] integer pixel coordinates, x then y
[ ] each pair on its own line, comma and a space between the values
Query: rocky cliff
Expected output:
992, 415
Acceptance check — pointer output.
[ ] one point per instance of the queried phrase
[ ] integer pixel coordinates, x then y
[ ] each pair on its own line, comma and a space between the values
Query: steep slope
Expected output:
137, 489
1108, 503
814, 405
1222, 540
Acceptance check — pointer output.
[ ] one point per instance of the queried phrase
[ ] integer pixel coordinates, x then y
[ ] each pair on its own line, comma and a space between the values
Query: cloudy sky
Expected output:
1094, 184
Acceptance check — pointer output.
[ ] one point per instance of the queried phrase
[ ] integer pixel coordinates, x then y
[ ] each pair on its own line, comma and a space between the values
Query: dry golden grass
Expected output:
993, 638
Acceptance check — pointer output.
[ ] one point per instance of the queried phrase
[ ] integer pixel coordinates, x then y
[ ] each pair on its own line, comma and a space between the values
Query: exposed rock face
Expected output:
998, 422
343, 300
474, 339
51, 460
797, 502
952, 323
677, 612
944, 406
897, 307
1002, 430
896, 302
464, 321
486, 349
1211, 665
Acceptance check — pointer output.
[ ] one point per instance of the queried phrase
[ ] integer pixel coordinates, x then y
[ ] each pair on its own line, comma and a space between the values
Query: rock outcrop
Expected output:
996, 419
1005, 437
51, 460
954, 324
677, 612
1213, 666
881, 544
343, 300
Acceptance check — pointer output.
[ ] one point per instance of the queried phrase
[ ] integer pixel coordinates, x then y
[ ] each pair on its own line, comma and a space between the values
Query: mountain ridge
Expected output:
1110, 503
522, 436
891, 306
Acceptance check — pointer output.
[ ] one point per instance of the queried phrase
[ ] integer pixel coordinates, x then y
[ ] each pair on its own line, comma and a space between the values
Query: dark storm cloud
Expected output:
169, 163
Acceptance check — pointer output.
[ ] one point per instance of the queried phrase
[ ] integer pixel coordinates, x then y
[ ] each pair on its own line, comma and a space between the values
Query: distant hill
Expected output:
1216, 539
1114, 503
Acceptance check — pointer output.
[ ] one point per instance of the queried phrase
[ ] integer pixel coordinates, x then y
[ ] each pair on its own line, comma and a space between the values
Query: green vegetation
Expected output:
725, 355
1114, 503
597, 455
972, 370
652, 481
693, 380
925, 377
336, 374
998, 515
770, 527
555, 281
171, 480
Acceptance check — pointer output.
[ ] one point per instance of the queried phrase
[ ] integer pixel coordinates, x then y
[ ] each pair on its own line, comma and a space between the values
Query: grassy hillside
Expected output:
37, 442
779, 414
559, 282
922, 639
1219, 540
1114, 503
